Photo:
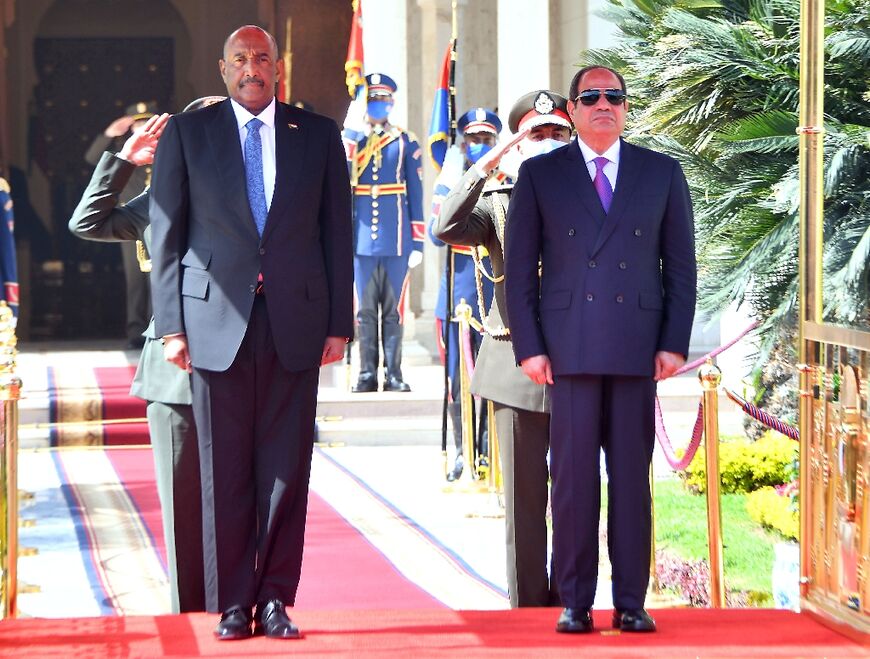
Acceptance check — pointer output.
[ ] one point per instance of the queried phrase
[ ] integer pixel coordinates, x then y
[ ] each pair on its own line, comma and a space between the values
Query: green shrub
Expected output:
746, 466
775, 511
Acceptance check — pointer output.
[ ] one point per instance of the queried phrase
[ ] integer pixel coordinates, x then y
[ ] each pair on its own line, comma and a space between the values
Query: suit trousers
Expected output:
524, 439
590, 413
176, 469
256, 434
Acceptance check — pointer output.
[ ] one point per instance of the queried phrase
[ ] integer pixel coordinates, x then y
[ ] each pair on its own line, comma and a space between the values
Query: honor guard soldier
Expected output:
386, 176
8, 264
479, 129
474, 214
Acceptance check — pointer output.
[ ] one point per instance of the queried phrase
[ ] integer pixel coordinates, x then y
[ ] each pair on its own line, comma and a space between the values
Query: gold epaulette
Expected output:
4, 186
467, 251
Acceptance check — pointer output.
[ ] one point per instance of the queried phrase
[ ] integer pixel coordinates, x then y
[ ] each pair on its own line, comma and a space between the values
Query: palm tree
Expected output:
715, 84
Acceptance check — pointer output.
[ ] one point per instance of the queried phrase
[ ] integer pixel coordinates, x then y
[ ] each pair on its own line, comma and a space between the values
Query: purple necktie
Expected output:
602, 183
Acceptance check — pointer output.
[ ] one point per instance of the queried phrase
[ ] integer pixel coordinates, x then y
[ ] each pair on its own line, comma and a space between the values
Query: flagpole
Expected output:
448, 267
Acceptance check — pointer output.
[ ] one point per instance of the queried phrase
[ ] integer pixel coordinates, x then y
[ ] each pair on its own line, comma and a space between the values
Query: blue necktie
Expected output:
254, 174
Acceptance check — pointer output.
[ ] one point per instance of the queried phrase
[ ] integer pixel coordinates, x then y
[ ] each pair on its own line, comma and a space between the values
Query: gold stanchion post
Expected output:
10, 393
710, 377
462, 315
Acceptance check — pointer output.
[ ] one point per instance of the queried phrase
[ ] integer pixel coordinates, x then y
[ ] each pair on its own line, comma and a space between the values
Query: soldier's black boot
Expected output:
483, 436
368, 358
393, 358
455, 411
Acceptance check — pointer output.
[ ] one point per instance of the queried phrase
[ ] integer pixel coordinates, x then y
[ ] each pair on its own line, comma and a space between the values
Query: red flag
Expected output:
353, 65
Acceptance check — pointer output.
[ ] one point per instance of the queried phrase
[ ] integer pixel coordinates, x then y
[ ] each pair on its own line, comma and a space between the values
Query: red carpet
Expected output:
82, 399
340, 569
458, 634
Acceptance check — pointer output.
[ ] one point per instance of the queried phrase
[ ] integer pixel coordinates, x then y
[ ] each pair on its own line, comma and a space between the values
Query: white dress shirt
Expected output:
610, 169
267, 137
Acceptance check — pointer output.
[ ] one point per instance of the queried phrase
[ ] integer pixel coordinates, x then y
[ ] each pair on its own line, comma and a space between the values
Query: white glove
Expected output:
415, 258
453, 167
355, 119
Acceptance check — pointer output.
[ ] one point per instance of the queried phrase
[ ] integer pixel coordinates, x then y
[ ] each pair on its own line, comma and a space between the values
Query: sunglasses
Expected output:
591, 96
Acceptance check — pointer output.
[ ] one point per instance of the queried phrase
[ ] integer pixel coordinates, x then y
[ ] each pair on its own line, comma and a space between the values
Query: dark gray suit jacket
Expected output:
468, 217
207, 255
614, 289
99, 217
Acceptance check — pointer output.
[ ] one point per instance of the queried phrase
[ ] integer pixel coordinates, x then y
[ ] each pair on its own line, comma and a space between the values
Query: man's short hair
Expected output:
573, 90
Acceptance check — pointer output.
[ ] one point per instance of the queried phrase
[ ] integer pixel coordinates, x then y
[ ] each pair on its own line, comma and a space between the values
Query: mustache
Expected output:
248, 80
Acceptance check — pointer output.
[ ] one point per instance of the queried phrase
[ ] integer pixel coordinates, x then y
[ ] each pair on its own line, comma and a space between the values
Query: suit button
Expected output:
592, 264
637, 232
252, 288
262, 251
619, 299
589, 297
571, 232
374, 177
374, 220
374, 236
374, 204
622, 265
374, 213
374, 226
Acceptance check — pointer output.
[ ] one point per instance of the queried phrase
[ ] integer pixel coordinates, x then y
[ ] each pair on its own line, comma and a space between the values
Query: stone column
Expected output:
434, 20
524, 49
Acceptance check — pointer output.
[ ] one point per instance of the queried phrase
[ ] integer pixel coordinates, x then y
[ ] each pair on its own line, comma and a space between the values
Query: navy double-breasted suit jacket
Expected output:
207, 255
614, 288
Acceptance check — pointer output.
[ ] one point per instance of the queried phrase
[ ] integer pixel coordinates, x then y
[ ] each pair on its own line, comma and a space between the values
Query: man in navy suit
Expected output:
610, 225
252, 275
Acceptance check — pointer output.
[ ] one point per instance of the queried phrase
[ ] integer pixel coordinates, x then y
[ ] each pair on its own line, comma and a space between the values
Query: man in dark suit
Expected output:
252, 280
474, 214
610, 225
166, 388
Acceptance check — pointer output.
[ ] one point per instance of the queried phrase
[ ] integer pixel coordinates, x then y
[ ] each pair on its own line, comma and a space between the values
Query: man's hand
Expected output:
333, 349
490, 160
140, 146
175, 351
667, 364
118, 127
415, 258
538, 369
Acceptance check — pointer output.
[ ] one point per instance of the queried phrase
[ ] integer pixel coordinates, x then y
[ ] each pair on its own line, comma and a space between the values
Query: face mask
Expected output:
475, 152
532, 149
379, 110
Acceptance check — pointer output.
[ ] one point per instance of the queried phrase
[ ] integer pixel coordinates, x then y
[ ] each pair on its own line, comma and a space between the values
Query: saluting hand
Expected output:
490, 160
140, 146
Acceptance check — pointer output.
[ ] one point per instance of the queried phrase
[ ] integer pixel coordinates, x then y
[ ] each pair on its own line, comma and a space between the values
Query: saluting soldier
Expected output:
479, 128
8, 263
386, 175
474, 213
138, 291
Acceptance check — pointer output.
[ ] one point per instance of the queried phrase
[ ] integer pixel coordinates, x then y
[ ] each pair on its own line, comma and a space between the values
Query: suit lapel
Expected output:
223, 137
290, 138
575, 171
626, 183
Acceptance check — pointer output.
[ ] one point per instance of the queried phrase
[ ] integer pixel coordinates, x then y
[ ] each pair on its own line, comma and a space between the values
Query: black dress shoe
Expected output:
235, 624
392, 383
456, 472
272, 621
633, 620
575, 621
366, 384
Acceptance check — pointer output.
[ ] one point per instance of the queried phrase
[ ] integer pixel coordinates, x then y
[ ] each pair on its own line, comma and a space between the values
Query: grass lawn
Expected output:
681, 528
